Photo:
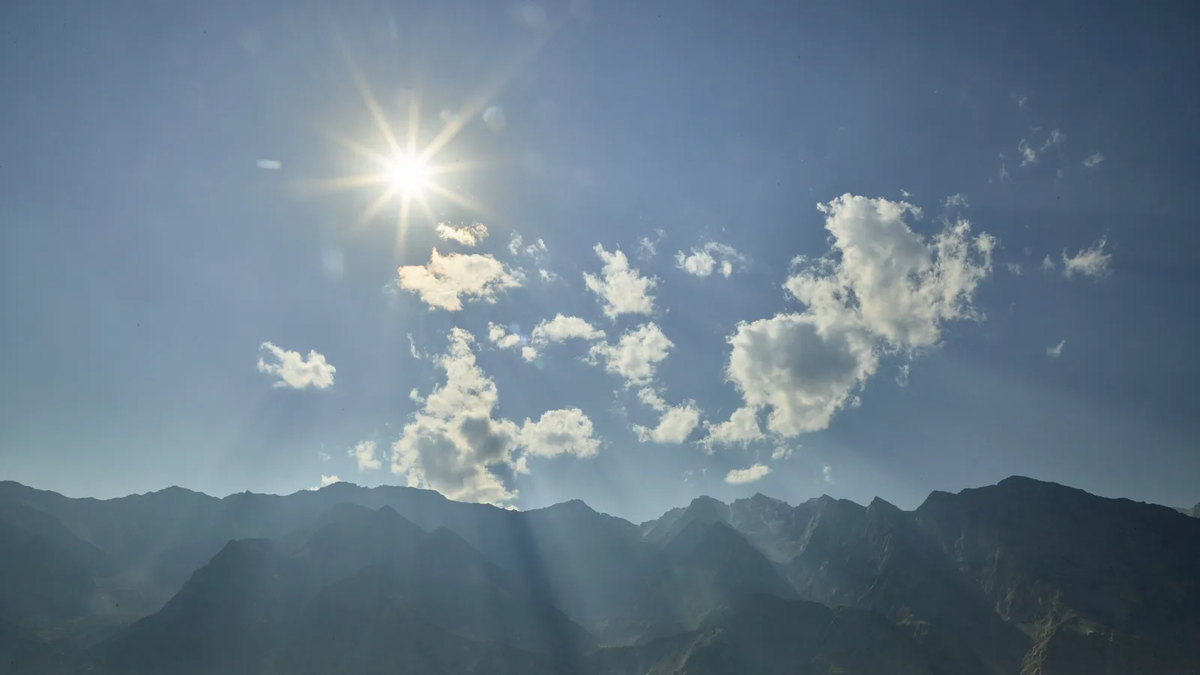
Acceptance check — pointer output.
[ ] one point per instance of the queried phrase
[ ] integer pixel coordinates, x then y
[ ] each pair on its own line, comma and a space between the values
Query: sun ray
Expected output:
368, 98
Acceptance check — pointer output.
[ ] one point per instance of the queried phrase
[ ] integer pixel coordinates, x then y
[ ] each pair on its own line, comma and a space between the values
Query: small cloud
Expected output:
902, 375
1004, 175
296, 371
326, 481
1047, 263
1028, 154
325, 457
675, 425
651, 399
1091, 261
1021, 100
621, 288
445, 281
956, 201
1056, 137
494, 118
781, 453
827, 473
741, 428
1093, 160
648, 248
270, 164
747, 475
1056, 351
364, 455
412, 347
635, 355
702, 261
536, 250
1013, 268
547, 276
467, 235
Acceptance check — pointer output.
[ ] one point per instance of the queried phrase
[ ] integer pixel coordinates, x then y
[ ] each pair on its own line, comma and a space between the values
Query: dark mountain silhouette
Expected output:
1019, 578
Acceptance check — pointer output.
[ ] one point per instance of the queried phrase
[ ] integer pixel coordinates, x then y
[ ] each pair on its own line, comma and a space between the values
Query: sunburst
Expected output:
402, 172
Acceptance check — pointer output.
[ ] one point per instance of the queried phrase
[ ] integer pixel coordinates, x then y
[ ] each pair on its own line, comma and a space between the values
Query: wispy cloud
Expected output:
711, 256
467, 235
647, 247
1055, 351
1090, 262
1093, 160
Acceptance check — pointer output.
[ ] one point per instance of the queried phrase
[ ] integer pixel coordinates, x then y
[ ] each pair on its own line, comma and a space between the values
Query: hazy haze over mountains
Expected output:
1023, 577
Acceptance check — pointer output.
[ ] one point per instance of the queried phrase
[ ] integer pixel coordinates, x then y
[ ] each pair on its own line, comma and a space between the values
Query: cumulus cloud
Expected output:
702, 261
560, 432
674, 426
1055, 351
364, 455
651, 399
296, 371
621, 288
445, 281
781, 453
1090, 262
882, 288
467, 235
565, 328
747, 475
741, 428
635, 355
500, 336
454, 445
1093, 160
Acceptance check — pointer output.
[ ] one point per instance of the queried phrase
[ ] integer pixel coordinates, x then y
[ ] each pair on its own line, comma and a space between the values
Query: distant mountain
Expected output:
1019, 578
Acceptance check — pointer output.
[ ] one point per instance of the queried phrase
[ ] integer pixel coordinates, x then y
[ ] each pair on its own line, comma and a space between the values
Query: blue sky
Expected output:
992, 209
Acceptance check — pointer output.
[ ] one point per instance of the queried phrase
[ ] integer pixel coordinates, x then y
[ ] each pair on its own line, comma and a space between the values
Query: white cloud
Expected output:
467, 235
453, 443
741, 428
560, 432
702, 261
747, 475
1013, 268
1055, 351
902, 375
564, 328
956, 201
651, 399
827, 473
675, 425
296, 371
500, 336
636, 354
528, 353
516, 246
1091, 261
1047, 263
1093, 160
446, 280
882, 288
325, 482
547, 276
412, 347
781, 453
1028, 154
647, 247
622, 289
364, 455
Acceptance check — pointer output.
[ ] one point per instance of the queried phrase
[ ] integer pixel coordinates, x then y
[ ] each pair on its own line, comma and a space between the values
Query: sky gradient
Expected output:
919, 246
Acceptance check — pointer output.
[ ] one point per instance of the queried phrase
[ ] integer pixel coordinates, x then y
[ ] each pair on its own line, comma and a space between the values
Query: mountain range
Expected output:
1019, 578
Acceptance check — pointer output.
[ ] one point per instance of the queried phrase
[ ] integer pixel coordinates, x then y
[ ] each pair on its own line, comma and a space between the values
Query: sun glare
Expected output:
408, 174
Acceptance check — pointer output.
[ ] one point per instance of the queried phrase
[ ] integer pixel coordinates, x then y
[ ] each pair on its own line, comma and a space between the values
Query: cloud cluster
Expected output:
296, 371
1089, 262
621, 288
467, 235
445, 281
558, 329
703, 261
881, 289
454, 445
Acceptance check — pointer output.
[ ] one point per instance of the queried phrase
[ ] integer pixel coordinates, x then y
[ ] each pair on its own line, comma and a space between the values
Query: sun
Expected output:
408, 174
